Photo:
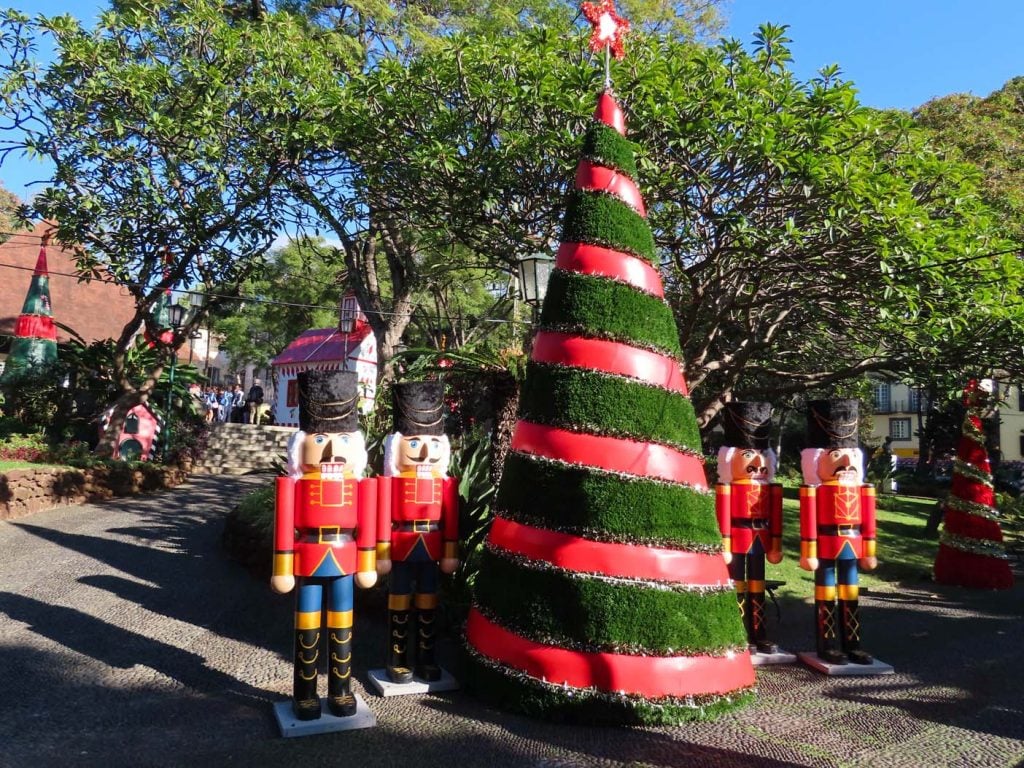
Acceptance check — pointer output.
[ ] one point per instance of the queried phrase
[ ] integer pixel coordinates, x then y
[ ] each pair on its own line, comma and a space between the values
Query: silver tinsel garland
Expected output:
544, 566
983, 547
970, 471
624, 476
620, 697
972, 508
625, 649
592, 333
604, 537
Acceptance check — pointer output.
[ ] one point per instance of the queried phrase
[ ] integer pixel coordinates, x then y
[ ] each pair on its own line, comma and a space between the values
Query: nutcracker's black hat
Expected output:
747, 424
327, 401
419, 407
832, 423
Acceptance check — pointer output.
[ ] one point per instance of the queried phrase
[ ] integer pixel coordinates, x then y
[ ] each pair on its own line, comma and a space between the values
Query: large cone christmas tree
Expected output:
602, 594
35, 335
971, 551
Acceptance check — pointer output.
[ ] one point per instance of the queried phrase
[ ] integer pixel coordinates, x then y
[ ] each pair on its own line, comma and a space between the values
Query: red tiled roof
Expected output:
94, 310
321, 344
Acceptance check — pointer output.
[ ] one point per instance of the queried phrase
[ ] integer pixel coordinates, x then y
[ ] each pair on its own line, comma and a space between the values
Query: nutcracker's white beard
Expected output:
809, 466
391, 448
357, 442
725, 454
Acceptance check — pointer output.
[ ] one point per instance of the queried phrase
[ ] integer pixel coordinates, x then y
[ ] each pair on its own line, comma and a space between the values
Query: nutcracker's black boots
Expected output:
340, 700
398, 644
850, 612
758, 634
305, 701
426, 633
827, 626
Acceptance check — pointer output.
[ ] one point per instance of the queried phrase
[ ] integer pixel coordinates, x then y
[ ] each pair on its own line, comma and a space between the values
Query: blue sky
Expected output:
899, 53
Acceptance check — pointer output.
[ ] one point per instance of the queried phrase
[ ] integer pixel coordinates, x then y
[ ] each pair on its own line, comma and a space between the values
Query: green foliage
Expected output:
604, 145
585, 501
256, 508
602, 308
299, 289
30, 448
556, 704
599, 403
34, 397
567, 610
471, 464
601, 219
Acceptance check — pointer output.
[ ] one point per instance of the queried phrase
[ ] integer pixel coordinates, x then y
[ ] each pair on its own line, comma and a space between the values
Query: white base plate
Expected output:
381, 682
291, 726
845, 670
767, 659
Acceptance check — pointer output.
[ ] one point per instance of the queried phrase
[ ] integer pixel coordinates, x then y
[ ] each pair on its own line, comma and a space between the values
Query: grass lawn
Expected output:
6, 465
904, 553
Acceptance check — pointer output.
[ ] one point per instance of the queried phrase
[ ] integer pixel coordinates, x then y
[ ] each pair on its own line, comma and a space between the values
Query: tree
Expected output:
169, 128
805, 239
299, 289
602, 594
989, 133
10, 221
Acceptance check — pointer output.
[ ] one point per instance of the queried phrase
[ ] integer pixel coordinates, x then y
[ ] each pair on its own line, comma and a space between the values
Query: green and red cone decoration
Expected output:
602, 594
971, 551
35, 335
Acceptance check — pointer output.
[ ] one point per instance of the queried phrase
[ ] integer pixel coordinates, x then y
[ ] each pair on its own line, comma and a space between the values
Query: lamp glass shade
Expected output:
176, 315
534, 271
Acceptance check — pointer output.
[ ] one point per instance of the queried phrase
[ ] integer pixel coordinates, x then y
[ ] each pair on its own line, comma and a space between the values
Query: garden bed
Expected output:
27, 490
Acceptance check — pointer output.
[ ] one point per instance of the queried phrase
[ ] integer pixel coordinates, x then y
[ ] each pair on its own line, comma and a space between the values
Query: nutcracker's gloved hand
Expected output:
366, 579
774, 556
449, 564
282, 584
869, 563
809, 563
383, 567
728, 556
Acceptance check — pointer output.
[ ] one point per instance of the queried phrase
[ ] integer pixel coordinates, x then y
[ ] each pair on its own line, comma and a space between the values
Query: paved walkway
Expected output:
128, 639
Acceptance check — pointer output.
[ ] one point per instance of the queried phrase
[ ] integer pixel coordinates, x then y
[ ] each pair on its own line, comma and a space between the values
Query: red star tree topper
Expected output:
609, 27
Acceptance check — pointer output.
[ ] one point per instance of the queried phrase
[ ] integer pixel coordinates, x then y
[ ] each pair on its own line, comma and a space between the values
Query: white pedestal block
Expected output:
845, 670
379, 680
767, 659
327, 723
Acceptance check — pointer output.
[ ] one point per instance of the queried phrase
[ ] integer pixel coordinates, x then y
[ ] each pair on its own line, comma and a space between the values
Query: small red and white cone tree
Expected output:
971, 552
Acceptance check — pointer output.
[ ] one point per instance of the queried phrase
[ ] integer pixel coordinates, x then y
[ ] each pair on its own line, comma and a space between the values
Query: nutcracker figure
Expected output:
837, 527
324, 536
749, 508
417, 526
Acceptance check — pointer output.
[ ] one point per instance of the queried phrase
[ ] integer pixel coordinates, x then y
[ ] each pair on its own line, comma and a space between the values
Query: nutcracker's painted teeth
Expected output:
332, 469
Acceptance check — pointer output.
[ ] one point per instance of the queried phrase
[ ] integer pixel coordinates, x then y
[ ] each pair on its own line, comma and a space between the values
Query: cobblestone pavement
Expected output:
128, 639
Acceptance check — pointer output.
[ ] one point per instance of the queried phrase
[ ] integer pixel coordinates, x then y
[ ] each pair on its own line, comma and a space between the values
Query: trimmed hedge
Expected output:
564, 609
603, 145
507, 688
601, 219
603, 308
606, 404
581, 500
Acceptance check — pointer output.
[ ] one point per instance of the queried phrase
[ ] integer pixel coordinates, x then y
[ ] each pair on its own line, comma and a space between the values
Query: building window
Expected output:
292, 394
916, 401
883, 397
899, 429
1020, 397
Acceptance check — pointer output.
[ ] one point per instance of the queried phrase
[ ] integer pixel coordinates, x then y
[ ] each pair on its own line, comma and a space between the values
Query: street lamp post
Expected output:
534, 271
176, 317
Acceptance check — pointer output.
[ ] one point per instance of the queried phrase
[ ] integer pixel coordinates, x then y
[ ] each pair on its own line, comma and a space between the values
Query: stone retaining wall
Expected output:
24, 491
